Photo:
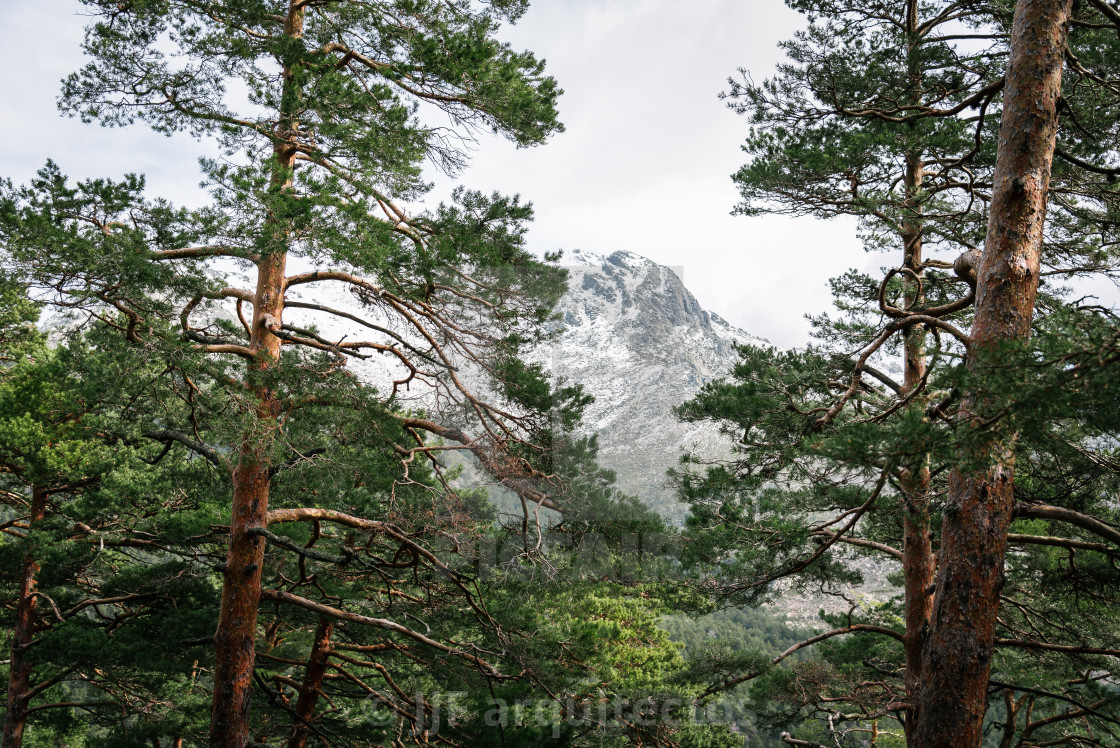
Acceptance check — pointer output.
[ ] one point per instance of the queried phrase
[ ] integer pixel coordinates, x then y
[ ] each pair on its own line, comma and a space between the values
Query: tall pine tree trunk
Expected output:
312, 683
241, 591
958, 652
918, 564
235, 639
917, 549
19, 678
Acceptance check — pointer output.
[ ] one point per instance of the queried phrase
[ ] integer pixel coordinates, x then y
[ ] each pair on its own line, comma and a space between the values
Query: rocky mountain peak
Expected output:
640, 342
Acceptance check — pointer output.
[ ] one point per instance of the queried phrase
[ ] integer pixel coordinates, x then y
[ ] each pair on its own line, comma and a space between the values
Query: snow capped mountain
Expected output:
640, 342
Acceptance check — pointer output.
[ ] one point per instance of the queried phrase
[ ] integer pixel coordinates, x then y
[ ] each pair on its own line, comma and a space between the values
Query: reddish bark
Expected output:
958, 651
918, 566
19, 678
312, 683
918, 562
234, 640
241, 590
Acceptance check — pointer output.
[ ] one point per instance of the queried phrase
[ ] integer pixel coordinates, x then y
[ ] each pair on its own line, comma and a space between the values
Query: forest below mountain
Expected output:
325, 463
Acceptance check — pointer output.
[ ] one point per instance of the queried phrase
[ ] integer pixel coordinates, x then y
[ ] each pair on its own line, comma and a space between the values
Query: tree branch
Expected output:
854, 628
1069, 516
381, 623
203, 450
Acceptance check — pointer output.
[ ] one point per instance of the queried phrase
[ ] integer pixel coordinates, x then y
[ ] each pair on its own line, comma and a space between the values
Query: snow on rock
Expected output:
640, 342
631, 333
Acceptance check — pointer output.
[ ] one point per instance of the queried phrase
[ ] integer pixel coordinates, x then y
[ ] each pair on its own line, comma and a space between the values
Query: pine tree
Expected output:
888, 113
320, 161
88, 572
372, 588
979, 505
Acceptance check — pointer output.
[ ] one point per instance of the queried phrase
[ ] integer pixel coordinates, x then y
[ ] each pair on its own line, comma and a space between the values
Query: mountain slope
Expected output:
637, 340
640, 342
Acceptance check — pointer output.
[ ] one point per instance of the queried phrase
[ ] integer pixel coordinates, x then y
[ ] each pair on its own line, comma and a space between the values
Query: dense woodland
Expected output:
232, 438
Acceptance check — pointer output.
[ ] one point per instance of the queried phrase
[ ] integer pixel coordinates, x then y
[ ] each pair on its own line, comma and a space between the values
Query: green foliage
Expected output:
339, 100
108, 587
889, 113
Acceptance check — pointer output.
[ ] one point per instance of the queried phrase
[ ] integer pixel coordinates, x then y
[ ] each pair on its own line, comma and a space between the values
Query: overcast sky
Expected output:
644, 165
